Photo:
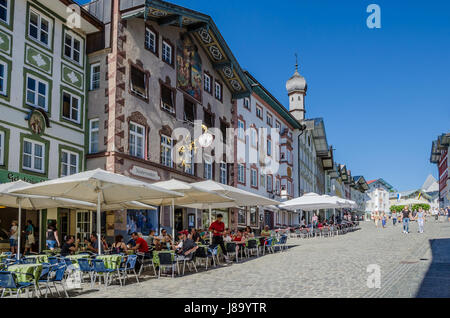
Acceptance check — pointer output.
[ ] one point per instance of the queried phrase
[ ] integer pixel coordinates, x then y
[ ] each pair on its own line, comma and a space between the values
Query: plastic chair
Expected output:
84, 268
214, 252
129, 266
53, 260
166, 261
252, 245
231, 250
100, 270
203, 253
282, 243
8, 281
268, 245
189, 259
57, 275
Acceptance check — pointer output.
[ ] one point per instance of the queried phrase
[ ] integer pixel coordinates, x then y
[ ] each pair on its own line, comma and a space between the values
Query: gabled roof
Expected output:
203, 28
384, 183
429, 183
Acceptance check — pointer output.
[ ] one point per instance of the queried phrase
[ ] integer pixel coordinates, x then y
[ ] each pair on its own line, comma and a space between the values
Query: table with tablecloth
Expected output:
34, 269
156, 258
41, 258
76, 257
111, 261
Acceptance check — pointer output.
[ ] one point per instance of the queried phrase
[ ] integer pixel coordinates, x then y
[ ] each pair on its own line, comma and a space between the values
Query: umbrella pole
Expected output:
99, 227
173, 219
40, 231
210, 219
19, 226
159, 219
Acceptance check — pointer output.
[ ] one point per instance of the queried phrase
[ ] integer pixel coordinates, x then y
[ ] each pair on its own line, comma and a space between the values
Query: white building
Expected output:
42, 95
265, 156
379, 192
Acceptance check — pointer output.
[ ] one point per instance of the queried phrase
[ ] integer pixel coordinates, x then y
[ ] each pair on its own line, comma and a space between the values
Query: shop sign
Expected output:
145, 173
9, 176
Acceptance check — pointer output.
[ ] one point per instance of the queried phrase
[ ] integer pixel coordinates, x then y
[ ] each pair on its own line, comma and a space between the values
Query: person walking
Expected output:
383, 220
13, 237
406, 216
218, 230
29, 232
394, 218
52, 239
420, 220
376, 218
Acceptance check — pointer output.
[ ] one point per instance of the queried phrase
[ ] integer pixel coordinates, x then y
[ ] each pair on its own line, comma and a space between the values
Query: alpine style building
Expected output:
129, 86
439, 156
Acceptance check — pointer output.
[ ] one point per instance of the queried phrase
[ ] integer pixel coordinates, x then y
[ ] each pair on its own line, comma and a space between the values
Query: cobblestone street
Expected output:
322, 267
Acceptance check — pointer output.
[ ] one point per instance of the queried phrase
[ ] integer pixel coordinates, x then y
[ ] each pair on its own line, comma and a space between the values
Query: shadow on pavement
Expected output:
436, 283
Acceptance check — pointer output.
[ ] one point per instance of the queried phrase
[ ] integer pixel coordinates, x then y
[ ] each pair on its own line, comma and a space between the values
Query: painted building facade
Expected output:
439, 156
265, 156
162, 67
43, 77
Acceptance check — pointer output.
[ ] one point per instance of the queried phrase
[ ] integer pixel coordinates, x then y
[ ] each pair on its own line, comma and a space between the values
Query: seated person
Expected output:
105, 244
249, 232
94, 244
166, 239
227, 236
69, 247
157, 246
150, 238
239, 239
195, 236
266, 232
188, 246
119, 247
141, 244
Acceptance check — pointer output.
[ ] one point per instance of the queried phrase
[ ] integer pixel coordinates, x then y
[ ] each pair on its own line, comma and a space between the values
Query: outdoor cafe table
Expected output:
39, 258
34, 269
76, 257
111, 261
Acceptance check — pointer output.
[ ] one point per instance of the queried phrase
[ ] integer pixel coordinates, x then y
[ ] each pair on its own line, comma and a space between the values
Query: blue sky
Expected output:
384, 93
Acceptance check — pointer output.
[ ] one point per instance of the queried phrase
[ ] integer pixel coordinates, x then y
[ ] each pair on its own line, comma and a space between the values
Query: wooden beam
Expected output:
171, 19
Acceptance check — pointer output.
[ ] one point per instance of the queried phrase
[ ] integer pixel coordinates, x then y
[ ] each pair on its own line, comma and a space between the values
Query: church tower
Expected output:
297, 87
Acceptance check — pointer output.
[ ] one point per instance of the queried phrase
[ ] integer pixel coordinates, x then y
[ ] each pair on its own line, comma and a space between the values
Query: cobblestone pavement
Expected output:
322, 267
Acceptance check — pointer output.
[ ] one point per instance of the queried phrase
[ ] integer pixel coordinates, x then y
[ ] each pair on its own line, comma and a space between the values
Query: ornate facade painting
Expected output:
189, 68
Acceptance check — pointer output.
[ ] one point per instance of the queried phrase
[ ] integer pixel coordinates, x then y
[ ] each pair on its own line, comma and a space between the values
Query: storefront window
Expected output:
214, 214
242, 216
254, 216
141, 221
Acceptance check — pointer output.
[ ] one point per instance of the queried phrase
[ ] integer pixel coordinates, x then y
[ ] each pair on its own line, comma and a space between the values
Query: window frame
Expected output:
72, 96
32, 155
259, 110
166, 43
164, 146
241, 130
208, 173
146, 81
136, 136
254, 172
241, 165
94, 130
150, 30
223, 173
5, 78
219, 85
269, 119
8, 13
2, 148
74, 37
210, 81
49, 45
271, 183
69, 153
36, 93
91, 76
269, 148
246, 104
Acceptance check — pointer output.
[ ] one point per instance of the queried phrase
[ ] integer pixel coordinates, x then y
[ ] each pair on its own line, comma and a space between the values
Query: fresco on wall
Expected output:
189, 68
